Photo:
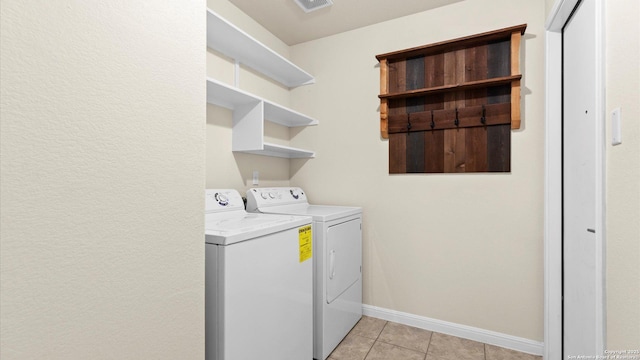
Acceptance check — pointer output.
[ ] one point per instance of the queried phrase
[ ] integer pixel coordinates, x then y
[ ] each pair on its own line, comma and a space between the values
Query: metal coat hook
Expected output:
483, 119
433, 124
456, 121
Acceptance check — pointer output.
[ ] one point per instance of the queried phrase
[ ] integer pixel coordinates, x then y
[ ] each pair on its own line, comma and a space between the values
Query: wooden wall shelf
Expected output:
455, 44
454, 87
460, 97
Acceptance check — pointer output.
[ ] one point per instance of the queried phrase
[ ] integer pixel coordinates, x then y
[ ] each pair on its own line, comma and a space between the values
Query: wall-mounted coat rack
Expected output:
449, 106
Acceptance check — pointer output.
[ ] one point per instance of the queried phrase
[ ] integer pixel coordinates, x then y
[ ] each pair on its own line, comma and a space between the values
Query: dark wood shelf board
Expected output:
455, 44
455, 87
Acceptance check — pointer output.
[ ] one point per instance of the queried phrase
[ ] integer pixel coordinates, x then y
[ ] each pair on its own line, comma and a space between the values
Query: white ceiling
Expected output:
286, 20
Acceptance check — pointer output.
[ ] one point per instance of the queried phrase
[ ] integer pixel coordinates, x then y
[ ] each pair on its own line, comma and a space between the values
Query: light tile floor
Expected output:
376, 339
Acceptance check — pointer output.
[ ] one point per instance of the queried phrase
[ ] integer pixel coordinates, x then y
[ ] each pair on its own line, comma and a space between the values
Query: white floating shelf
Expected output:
282, 151
230, 97
249, 114
281, 115
227, 96
237, 44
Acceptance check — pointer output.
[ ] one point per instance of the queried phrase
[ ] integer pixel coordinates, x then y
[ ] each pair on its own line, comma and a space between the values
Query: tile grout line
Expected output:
381, 330
400, 346
376, 340
428, 345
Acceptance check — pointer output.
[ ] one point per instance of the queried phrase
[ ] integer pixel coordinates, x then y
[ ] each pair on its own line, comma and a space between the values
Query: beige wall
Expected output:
548, 6
226, 169
102, 140
623, 175
461, 248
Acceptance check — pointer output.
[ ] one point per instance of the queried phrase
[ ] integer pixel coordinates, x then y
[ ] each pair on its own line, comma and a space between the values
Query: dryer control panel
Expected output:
264, 197
217, 200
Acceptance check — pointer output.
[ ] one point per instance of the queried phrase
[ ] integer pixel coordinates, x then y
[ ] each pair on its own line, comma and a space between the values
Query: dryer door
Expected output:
344, 257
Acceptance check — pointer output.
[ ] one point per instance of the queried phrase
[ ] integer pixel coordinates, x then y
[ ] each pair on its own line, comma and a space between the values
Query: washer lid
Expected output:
233, 227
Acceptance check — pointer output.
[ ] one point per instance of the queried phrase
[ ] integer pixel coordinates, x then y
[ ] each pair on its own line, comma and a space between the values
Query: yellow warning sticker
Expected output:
304, 240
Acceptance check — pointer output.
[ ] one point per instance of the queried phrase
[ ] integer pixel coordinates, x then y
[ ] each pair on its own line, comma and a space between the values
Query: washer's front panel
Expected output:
264, 299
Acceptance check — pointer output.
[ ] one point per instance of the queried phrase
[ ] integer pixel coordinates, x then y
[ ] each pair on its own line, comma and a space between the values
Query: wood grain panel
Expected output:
460, 77
397, 118
449, 68
397, 82
415, 152
498, 59
498, 64
499, 148
496, 139
415, 142
499, 94
454, 150
475, 62
434, 70
476, 149
397, 153
476, 69
397, 76
415, 73
515, 86
515, 109
460, 65
434, 151
384, 89
475, 97
415, 78
449, 101
453, 74
397, 142
434, 102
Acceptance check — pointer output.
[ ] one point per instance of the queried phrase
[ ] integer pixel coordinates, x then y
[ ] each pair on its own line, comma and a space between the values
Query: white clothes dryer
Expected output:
337, 253
258, 282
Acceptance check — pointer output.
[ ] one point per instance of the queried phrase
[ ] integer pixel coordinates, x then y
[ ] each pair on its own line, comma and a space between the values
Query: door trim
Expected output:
558, 17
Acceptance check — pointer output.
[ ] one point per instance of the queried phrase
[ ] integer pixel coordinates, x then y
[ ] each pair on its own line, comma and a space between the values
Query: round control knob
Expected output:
264, 195
294, 193
222, 199
272, 195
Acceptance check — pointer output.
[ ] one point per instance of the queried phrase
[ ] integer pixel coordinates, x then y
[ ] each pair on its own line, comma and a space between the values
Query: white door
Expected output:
579, 183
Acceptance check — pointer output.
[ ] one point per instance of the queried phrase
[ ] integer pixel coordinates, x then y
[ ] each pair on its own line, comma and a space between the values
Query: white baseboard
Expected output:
462, 331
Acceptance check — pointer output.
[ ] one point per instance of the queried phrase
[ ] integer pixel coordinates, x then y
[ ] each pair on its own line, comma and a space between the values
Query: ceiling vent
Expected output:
312, 5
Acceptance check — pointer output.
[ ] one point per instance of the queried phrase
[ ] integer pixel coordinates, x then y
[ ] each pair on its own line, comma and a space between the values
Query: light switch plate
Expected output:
616, 132
255, 177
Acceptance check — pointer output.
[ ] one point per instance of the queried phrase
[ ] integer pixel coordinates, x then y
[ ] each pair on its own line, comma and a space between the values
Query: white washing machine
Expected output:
337, 253
259, 282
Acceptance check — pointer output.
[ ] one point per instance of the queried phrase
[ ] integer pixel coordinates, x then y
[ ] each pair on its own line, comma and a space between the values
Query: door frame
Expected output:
558, 17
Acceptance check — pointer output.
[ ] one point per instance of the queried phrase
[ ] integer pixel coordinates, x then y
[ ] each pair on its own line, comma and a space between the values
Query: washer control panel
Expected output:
222, 200
264, 197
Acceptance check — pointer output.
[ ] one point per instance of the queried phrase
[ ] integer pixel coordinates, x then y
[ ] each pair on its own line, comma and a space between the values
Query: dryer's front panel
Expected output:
343, 257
